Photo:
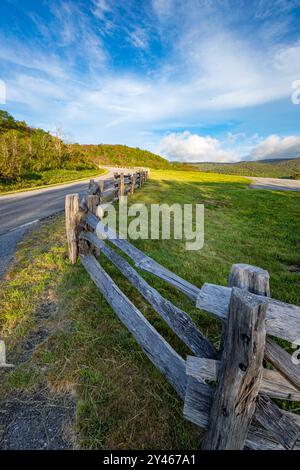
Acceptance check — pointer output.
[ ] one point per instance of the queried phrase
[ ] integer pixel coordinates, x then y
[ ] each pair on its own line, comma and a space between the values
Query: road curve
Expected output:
22, 210
278, 184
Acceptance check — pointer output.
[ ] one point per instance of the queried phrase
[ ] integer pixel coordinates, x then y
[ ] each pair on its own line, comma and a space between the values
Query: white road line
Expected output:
24, 225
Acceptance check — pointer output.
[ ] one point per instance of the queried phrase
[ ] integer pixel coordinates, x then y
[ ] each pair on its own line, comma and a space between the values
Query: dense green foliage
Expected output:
121, 155
289, 168
25, 151
28, 154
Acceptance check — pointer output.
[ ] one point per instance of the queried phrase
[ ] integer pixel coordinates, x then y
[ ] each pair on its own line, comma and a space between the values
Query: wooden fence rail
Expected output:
248, 370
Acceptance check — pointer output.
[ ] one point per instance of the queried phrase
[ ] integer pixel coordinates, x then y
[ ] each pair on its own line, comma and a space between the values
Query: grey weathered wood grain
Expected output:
215, 300
260, 439
282, 319
284, 430
273, 383
282, 361
93, 187
145, 262
163, 356
239, 378
93, 201
180, 322
132, 183
198, 402
197, 406
267, 413
252, 278
148, 264
101, 185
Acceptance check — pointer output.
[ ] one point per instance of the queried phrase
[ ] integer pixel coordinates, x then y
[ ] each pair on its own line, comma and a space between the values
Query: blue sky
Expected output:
194, 80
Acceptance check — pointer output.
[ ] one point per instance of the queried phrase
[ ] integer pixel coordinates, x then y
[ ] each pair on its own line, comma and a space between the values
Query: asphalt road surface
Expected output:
21, 211
275, 184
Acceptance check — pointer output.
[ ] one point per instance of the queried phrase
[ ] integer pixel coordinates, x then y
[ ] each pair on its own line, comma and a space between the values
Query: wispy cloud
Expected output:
139, 38
132, 72
101, 8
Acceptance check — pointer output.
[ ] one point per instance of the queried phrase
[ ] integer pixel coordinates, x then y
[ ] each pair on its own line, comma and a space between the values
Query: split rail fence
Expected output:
227, 392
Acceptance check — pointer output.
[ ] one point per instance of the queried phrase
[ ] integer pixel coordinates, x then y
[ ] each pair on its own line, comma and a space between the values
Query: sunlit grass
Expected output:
46, 178
122, 400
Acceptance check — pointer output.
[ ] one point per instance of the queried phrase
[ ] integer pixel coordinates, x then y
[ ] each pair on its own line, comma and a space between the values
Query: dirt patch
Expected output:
294, 268
46, 309
37, 421
31, 343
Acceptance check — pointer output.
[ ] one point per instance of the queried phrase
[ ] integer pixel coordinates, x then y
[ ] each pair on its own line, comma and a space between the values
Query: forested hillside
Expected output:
289, 168
121, 155
25, 151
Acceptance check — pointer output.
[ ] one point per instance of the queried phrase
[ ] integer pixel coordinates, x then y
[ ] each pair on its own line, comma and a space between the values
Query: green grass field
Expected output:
45, 178
122, 400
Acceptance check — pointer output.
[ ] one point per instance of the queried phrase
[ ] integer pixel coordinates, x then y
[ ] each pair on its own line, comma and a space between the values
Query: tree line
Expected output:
25, 150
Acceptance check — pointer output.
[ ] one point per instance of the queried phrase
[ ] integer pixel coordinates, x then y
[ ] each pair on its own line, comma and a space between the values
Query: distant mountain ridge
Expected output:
276, 168
265, 160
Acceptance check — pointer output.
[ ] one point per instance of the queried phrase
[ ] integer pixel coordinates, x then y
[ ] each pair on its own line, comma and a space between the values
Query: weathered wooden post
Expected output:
72, 214
122, 185
257, 281
100, 212
93, 187
92, 203
116, 185
141, 179
252, 278
3, 363
240, 373
101, 189
132, 183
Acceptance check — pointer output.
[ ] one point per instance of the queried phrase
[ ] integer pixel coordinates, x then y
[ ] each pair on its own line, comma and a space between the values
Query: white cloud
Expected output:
209, 70
31, 58
277, 147
162, 7
187, 147
101, 8
139, 38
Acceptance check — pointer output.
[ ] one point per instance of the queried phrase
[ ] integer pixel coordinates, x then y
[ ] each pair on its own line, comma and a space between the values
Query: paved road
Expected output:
275, 184
20, 211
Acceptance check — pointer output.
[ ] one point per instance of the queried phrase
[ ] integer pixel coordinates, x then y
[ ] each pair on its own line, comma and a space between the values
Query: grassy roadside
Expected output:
49, 178
122, 401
